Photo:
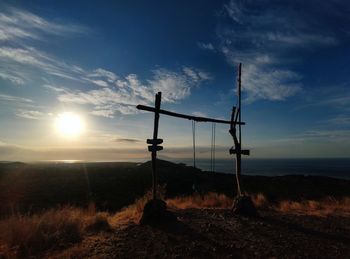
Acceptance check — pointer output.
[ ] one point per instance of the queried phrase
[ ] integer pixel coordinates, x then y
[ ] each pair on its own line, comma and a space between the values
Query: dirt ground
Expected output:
216, 233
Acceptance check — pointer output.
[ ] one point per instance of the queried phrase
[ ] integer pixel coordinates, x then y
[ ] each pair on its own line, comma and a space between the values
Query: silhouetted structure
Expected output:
235, 120
237, 149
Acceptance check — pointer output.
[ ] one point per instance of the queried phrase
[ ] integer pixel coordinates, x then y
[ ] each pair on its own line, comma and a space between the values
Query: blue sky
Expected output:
100, 59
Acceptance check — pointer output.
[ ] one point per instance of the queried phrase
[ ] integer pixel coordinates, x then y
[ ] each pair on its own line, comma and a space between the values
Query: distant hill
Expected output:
112, 186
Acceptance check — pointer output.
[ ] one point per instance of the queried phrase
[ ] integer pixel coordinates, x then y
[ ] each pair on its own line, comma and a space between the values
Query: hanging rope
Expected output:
194, 142
212, 148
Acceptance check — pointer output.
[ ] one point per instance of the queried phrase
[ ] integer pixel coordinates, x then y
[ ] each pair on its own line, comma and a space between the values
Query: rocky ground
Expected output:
216, 233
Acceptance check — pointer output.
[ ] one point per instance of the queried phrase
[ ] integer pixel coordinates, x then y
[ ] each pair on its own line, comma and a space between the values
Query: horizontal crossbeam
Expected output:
155, 148
155, 141
185, 116
242, 152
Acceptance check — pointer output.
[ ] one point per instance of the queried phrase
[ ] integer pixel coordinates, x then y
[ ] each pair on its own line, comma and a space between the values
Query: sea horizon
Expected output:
332, 167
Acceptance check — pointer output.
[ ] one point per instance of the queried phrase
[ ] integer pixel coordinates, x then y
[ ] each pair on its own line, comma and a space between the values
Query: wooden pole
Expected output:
239, 101
155, 137
194, 142
214, 132
239, 146
211, 150
184, 116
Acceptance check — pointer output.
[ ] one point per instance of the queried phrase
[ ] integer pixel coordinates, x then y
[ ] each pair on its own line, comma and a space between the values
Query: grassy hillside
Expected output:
111, 186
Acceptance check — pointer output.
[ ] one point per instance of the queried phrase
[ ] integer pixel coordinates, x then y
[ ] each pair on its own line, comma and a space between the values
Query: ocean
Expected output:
333, 167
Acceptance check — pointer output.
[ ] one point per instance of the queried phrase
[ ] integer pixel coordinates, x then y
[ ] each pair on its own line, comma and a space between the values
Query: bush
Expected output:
26, 235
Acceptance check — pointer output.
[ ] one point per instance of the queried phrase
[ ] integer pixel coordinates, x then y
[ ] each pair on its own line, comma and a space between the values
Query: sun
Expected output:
69, 124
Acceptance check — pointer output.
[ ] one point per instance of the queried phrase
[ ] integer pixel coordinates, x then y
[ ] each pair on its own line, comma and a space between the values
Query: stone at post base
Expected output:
244, 206
155, 212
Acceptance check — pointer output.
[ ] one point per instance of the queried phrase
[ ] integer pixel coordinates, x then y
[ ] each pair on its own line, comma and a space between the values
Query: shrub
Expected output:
26, 235
324, 207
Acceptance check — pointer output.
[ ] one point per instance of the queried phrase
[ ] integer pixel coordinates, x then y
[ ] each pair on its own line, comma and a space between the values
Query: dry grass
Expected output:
211, 200
260, 200
133, 212
324, 207
55, 229
23, 236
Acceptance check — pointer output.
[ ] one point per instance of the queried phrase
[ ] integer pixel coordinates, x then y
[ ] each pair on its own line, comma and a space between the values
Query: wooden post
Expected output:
236, 120
154, 144
194, 142
239, 147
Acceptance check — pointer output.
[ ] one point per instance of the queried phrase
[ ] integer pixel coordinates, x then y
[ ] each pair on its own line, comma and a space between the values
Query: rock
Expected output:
244, 206
155, 212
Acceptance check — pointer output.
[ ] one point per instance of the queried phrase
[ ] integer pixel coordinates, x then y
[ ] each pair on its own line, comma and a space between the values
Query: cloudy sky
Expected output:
99, 60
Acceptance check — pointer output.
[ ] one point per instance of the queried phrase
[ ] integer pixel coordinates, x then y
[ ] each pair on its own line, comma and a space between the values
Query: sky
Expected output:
99, 59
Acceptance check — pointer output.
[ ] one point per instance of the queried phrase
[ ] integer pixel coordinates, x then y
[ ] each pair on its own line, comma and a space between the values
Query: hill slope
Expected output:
112, 186
216, 233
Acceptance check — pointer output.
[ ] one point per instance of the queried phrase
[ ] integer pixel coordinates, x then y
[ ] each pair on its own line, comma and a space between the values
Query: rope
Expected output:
214, 147
211, 150
194, 142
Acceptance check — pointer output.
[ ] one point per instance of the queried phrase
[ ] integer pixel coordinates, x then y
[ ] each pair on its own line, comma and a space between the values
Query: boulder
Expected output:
244, 206
155, 212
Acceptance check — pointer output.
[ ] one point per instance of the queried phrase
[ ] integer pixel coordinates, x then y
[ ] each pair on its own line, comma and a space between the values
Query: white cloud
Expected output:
30, 60
32, 115
12, 77
130, 91
301, 39
275, 85
173, 85
263, 36
342, 100
22, 56
330, 135
100, 72
199, 114
206, 46
340, 120
20, 65
104, 113
10, 98
114, 94
16, 24
332, 96
196, 75
55, 88
98, 82
19, 60
18, 103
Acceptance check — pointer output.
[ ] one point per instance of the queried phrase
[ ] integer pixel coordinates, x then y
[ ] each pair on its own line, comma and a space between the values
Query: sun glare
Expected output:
69, 124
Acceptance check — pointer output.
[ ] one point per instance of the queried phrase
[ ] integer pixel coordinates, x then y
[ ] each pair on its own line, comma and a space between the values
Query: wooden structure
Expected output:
234, 122
155, 142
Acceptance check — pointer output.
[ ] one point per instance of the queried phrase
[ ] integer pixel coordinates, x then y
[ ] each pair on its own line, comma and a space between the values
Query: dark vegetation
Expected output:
111, 186
62, 211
